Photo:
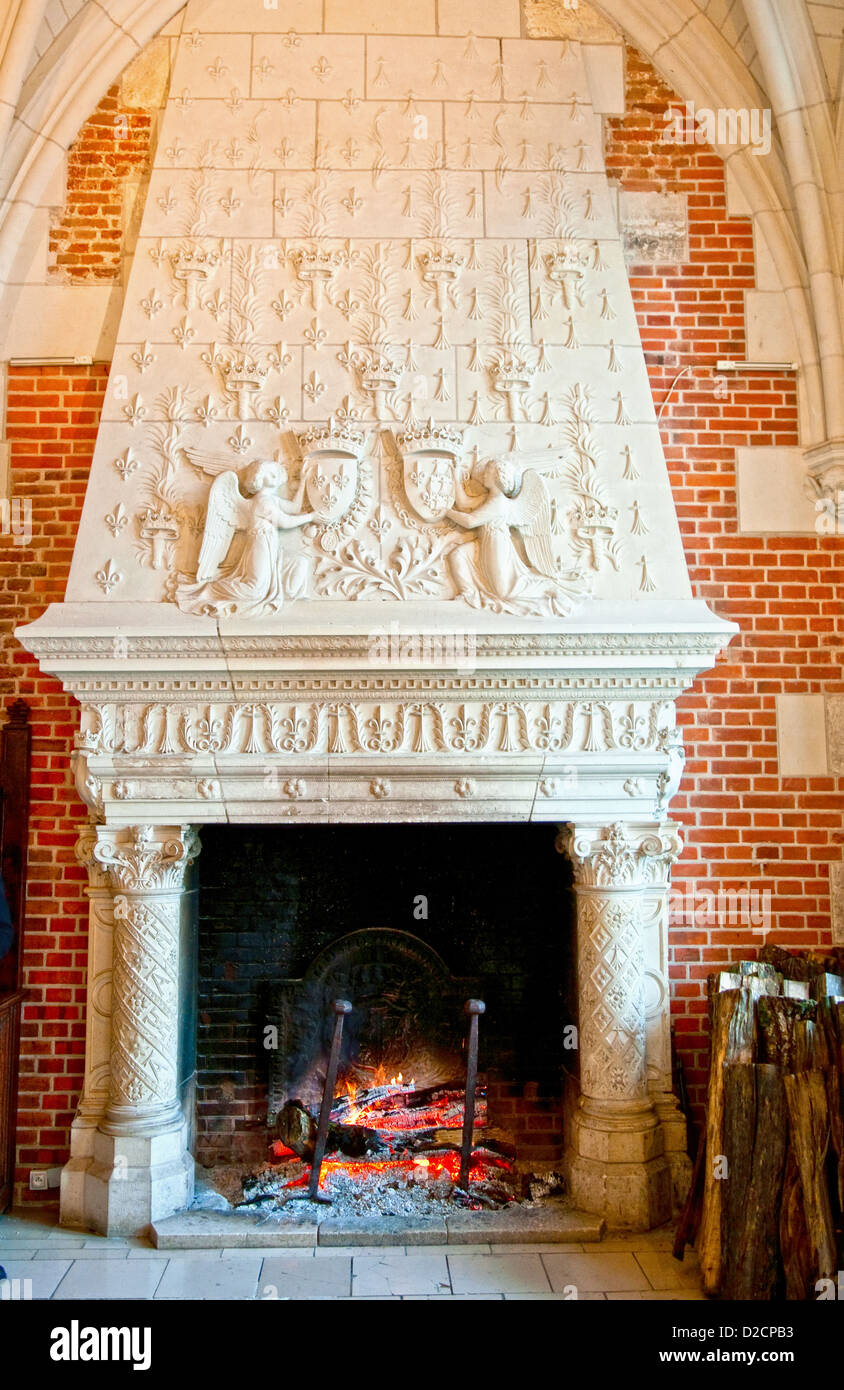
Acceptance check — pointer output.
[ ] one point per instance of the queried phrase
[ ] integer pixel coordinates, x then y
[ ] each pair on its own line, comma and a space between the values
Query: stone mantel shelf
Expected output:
327, 716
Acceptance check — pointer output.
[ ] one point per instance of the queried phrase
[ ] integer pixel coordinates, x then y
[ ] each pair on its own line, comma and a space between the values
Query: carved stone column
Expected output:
617, 1161
140, 1168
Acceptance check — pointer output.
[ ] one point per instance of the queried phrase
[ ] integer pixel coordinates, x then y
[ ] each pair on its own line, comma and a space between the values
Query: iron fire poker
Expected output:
340, 1008
474, 1007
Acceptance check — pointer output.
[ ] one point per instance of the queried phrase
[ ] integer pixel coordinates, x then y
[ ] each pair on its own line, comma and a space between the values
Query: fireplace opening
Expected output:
407, 923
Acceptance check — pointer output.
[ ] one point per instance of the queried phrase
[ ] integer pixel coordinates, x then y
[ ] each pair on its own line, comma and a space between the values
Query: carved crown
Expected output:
428, 438
440, 263
337, 434
193, 260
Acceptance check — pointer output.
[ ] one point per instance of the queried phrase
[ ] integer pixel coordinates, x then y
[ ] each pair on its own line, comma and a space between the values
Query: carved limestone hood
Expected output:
378, 524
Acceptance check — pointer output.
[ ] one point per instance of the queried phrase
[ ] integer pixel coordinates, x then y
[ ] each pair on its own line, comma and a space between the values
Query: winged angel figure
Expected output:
489, 570
242, 568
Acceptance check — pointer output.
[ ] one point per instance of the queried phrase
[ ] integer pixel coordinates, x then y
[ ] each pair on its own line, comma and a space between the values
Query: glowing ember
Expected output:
425, 1168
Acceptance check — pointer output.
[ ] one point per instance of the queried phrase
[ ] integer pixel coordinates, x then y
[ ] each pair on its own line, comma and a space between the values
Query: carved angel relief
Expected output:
242, 567
489, 569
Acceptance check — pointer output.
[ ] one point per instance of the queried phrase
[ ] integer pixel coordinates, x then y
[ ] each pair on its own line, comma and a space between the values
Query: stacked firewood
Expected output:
768, 1193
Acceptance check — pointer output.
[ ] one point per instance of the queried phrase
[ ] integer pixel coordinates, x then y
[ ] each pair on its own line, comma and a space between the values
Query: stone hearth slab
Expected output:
197, 1230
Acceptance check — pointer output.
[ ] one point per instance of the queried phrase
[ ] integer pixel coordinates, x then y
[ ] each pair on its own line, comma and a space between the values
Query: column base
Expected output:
629, 1196
118, 1184
617, 1167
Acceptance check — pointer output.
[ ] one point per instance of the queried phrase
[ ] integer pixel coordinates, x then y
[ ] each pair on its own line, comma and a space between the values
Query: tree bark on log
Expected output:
733, 1030
808, 1122
755, 1141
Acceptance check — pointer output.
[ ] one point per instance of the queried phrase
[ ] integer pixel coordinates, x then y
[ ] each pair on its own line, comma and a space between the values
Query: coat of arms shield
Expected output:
331, 480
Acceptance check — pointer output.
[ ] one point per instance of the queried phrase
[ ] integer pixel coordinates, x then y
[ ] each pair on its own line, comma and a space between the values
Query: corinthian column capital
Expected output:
620, 856
146, 859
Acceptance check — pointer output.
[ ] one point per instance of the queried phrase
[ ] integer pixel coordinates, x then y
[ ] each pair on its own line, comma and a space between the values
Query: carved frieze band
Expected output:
499, 726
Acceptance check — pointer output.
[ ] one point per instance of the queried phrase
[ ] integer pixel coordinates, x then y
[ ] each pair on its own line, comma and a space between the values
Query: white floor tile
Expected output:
394, 1274
215, 1279
45, 1274
292, 1277
498, 1274
599, 1272
109, 1279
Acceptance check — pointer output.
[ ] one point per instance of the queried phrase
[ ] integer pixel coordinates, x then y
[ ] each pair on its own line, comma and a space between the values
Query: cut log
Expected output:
808, 1123
794, 1237
732, 1040
755, 1140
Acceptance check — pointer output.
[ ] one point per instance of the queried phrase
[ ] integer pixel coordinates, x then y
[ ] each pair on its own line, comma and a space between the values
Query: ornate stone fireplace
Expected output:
378, 530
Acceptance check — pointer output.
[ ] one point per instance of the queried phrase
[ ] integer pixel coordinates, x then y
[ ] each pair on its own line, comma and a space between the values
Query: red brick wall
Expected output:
743, 824
86, 236
52, 424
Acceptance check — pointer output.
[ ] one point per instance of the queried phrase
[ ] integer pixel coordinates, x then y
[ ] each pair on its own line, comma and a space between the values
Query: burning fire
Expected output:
428, 1168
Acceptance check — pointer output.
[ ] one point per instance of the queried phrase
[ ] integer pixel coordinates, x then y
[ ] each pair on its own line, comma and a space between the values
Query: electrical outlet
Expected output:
38, 1180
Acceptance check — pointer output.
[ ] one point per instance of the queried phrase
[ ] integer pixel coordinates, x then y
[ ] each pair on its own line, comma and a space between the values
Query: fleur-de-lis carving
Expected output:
263, 69
314, 388
126, 464
168, 202
278, 412
347, 305
217, 69
291, 39
284, 152
234, 100
229, 204
183, 333
108, 577
289, 99
176, 152
282, 203
194, 39
314, 335
135, 411
322, 69
206, 412
282, 306
350, 151
240, 441
234, 151
184, 101
352, 203
143, 358
117, 520
218, 305
350, 101
380, 524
